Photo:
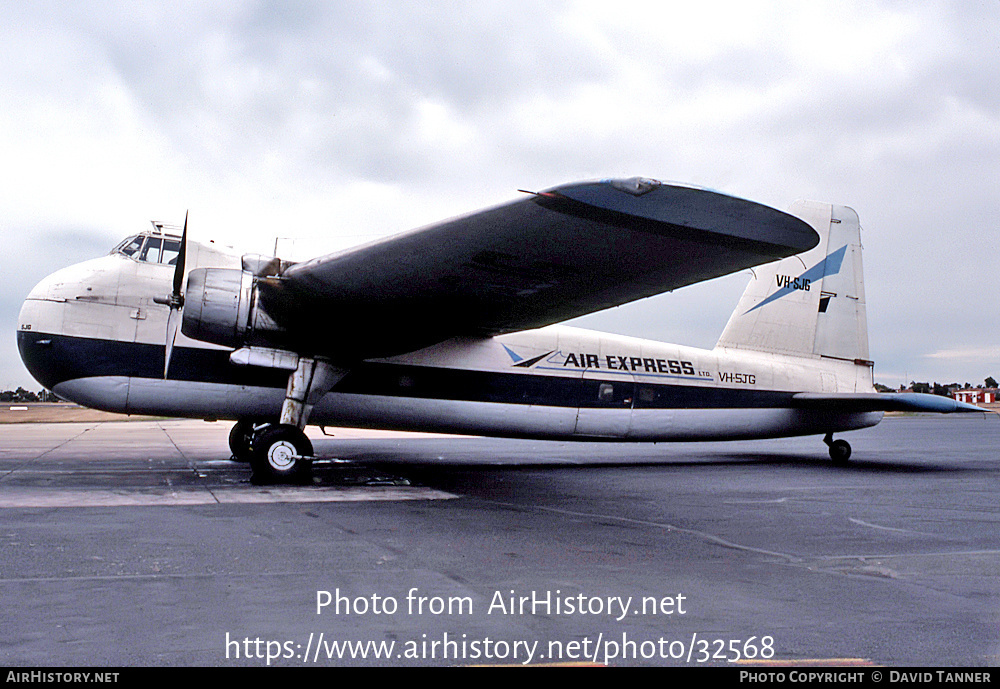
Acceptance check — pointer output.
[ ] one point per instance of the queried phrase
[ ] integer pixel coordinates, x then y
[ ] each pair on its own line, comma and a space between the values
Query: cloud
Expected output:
339, 122
969, 354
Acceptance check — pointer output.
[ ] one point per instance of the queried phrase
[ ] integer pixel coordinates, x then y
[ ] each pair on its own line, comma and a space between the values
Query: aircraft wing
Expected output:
548, 257
882, 401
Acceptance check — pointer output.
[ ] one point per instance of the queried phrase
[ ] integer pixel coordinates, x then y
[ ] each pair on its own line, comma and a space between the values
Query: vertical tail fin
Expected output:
812, 304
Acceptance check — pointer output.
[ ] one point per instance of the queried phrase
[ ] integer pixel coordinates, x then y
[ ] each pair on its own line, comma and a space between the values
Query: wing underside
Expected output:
540, 260
882, 401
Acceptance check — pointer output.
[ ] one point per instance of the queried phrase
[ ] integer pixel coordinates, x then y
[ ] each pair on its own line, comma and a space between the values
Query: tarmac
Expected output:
140, 544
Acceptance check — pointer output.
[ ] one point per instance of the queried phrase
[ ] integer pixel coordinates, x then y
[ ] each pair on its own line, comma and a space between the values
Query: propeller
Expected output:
175, 300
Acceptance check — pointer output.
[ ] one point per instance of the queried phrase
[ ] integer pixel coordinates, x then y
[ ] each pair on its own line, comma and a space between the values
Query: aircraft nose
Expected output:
39, 322
33, 343
44, 322
78, 282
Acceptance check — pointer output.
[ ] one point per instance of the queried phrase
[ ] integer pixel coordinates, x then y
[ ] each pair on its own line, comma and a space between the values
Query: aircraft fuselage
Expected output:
93, 334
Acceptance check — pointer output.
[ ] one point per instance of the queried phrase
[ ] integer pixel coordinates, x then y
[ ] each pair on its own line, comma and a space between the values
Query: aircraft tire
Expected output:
280, 453
240, 441
840, 452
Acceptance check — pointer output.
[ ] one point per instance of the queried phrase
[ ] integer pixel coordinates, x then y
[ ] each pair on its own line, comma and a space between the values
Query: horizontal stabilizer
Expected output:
882, 401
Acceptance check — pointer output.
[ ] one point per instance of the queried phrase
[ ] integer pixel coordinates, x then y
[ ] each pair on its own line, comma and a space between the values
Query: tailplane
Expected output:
812, 304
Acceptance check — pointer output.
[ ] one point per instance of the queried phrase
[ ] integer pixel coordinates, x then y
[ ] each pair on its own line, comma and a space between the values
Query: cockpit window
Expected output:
171, 247
151, 252
130, 246
150, 249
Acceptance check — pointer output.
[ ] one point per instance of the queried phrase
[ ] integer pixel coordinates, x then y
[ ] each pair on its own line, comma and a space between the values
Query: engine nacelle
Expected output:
220, 306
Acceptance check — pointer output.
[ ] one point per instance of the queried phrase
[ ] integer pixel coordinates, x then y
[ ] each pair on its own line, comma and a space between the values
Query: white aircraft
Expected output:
451, 328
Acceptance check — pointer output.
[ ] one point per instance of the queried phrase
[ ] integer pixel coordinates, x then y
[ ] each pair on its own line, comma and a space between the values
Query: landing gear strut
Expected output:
840, 450
281, 452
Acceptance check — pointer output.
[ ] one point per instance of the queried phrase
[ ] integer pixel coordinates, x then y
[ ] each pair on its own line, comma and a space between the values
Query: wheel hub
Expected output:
281, 455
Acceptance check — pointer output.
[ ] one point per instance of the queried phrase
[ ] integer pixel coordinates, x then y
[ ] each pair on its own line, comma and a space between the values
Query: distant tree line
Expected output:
22, 395
938, 389
935, 388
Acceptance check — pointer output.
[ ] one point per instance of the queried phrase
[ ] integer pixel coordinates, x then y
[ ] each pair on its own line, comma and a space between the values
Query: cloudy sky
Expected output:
335, 123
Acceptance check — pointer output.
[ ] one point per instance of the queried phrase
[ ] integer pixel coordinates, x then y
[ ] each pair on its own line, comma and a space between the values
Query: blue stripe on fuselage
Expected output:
66, 357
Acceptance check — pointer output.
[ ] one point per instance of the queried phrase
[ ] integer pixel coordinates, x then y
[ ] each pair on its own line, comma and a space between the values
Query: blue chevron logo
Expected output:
828, 266
520, 361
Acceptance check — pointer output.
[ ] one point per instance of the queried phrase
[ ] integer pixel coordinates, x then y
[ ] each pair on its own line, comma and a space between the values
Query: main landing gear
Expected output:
281, 452
840, 450
276, 452
241, 440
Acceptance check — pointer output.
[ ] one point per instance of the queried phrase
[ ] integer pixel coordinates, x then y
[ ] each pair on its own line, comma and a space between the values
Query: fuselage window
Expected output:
606, 392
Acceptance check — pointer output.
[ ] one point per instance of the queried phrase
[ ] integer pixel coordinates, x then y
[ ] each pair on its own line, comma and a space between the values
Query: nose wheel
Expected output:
840, 450
280, 453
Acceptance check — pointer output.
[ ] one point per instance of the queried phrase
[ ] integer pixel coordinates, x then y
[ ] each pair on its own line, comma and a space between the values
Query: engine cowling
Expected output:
220, 306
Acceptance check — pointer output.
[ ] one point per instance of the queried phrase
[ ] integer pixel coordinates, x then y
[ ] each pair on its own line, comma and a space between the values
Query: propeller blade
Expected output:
181, 257
173, 321
176, 301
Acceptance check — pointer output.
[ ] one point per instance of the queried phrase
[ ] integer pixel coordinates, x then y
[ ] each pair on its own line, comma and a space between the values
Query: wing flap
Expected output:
558, 254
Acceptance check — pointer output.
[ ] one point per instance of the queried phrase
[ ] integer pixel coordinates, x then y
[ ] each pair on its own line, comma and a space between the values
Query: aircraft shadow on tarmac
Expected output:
431, 462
